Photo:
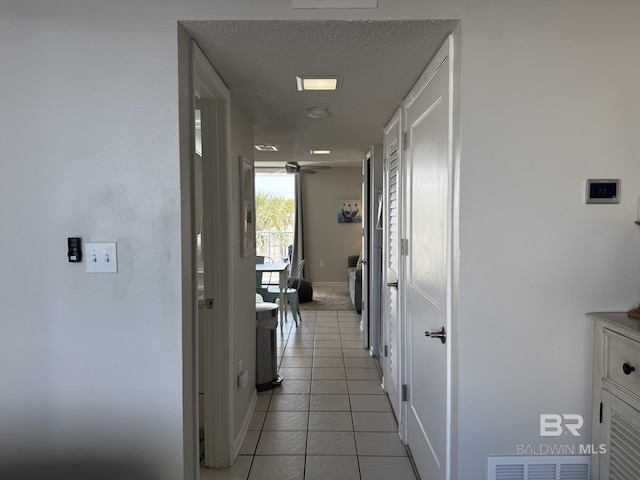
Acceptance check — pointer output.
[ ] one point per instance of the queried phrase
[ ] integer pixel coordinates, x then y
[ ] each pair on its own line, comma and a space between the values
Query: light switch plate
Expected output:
101, 257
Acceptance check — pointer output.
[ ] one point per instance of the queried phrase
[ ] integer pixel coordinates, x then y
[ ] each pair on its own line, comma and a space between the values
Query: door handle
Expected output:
441, 334
393, 284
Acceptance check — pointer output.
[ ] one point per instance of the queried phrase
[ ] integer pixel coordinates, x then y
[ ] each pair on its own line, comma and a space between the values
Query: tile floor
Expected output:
329, 419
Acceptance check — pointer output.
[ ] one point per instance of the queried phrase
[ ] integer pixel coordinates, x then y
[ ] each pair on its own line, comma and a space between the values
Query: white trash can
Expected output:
266, 362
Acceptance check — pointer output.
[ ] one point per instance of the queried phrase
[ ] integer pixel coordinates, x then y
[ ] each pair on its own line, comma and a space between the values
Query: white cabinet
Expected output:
616, 397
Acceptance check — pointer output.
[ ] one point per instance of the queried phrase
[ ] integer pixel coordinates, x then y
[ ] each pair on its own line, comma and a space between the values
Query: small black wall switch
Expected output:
75, 249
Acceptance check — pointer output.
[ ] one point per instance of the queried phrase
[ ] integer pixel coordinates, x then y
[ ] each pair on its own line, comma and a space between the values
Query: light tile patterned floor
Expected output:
329, 419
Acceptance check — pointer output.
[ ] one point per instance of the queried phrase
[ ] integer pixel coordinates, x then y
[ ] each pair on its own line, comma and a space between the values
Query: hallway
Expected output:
330, 418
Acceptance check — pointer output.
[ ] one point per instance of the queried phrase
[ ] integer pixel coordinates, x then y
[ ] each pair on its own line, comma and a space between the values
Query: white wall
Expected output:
90, 147
325, 239
549, 99
243, 325
91, 364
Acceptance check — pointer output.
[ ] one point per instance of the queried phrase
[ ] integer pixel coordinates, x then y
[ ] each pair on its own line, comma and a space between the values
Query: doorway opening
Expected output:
204, 114
219, 40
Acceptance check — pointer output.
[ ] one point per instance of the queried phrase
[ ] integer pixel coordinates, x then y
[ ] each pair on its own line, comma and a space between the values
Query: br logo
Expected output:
553, 425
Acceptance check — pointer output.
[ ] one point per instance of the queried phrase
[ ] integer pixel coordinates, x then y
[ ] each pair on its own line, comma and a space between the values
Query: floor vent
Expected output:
539, 468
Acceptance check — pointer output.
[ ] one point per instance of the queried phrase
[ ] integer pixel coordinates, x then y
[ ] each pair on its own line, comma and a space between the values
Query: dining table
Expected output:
282, 269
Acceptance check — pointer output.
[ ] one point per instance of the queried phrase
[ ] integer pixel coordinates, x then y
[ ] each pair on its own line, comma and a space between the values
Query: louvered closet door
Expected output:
621, 436
391, 256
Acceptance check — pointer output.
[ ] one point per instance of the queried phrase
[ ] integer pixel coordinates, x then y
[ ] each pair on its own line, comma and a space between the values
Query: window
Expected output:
275, 215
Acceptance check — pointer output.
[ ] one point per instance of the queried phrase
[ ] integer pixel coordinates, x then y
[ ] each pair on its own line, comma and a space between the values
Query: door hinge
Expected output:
386, 350
404, 141
405, 392
385, 164
600, 412
208, 303
404, 247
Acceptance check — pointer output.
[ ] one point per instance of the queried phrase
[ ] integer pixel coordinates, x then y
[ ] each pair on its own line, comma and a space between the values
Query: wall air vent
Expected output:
539, 468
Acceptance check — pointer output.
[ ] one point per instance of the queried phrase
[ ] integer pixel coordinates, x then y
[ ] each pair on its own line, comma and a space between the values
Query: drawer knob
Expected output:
627, 369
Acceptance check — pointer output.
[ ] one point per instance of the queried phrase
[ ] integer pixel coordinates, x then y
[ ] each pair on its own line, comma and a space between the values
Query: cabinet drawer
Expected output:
622, 361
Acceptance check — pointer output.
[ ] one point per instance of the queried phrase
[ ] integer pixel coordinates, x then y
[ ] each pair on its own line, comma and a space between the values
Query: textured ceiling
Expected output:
259, 61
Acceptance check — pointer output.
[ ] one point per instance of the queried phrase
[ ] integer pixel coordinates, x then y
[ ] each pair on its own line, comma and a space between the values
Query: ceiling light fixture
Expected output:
319, 83
320, 152
266, 148
318, 112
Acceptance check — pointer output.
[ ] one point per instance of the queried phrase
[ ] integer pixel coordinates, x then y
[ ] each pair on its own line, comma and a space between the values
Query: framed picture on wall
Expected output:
247, 207
349, 211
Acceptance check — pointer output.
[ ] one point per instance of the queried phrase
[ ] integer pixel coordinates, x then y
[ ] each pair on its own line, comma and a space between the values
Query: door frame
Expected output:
197, 77
455, 52
365, 253
375, 183
396, 122
452, 44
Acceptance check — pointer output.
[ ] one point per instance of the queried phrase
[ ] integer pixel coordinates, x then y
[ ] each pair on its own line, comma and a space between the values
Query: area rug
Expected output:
328, 301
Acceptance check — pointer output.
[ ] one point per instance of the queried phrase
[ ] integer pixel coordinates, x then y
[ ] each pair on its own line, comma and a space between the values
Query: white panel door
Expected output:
427, 265
391, 263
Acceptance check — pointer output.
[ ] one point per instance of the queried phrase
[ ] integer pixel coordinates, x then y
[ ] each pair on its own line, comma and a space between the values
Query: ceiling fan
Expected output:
294, 167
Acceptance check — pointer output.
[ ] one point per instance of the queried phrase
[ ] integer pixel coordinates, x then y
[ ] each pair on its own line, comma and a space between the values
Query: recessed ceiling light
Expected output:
320, 152
318, 83
318, 112
266, 148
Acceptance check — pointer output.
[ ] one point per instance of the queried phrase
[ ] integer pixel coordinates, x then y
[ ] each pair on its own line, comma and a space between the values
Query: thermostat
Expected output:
603, 190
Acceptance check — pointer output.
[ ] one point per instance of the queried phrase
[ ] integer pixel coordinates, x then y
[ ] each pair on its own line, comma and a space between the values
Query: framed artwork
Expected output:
349, 211
247, 207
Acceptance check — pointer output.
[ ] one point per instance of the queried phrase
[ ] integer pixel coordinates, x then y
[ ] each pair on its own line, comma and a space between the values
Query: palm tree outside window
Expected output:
275, 215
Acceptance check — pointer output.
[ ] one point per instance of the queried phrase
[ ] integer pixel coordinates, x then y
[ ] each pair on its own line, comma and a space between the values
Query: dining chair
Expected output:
270, 280
261, 287
290, 292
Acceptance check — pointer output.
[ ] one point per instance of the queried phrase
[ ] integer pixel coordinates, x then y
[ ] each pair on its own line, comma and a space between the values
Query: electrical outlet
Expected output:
243, 378
321, 263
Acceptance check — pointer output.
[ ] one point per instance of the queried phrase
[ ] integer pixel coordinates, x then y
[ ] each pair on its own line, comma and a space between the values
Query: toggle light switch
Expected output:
102, 257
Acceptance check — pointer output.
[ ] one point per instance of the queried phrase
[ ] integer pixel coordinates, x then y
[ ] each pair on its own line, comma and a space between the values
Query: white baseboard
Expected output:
237, 444
330, 284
